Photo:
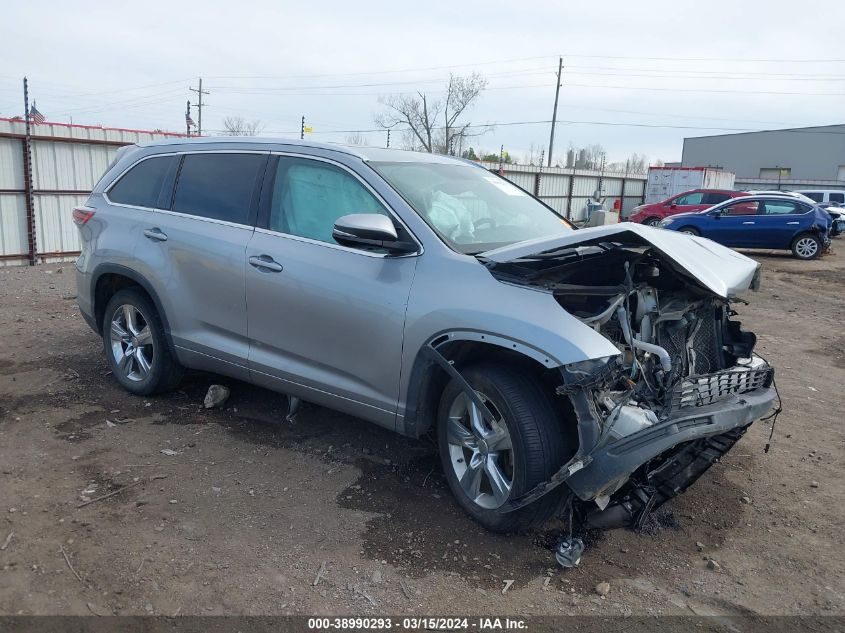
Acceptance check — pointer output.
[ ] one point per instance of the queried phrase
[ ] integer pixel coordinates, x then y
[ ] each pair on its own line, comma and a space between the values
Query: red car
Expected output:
686, 202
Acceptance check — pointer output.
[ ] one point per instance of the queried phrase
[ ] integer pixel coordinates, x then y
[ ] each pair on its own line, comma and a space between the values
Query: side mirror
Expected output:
369, 230
673, 206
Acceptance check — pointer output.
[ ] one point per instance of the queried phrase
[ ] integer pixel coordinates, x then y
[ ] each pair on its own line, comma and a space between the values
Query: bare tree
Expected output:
238, 126
435, 123
357, 138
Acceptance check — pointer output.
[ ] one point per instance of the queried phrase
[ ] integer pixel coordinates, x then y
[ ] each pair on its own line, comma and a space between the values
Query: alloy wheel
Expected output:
806, 247
131, 342
481, 452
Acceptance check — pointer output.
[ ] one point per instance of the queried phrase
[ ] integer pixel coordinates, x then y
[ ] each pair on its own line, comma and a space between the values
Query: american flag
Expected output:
189, 120
35, 116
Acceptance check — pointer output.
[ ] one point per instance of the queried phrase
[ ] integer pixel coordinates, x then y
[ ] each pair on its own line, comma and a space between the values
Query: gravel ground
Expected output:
235, 511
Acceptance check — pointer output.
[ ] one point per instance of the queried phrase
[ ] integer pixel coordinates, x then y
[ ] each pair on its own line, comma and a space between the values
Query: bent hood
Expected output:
719, 269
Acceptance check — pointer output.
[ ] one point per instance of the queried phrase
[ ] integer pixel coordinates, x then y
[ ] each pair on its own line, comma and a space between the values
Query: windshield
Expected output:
472, 209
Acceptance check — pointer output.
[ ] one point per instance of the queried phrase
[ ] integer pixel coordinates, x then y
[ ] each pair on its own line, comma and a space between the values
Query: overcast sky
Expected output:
629, 66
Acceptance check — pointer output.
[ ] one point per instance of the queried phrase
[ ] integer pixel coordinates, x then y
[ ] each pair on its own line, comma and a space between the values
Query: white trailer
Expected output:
665, 182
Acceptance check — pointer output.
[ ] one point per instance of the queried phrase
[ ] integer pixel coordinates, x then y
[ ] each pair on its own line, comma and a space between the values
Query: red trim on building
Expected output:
99, 127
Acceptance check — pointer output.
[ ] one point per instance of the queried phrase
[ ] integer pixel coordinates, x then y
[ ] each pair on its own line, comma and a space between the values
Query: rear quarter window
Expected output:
715, 198
141, 185
816, 196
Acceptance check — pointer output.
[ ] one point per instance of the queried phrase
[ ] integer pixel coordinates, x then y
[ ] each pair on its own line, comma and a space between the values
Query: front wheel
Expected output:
488, 462
806, 246
135, 345
651, 221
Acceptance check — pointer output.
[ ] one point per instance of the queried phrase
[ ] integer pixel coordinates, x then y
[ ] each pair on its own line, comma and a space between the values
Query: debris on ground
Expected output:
98, 610
6, 542
814, 484
406, 588
319, 575
168, 451
712, 564
568, 551
603, 588
216, 396
70, 566
508, 584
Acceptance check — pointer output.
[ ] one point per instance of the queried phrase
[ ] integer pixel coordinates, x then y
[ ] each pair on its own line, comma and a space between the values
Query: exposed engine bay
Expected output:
678, 344
681, 391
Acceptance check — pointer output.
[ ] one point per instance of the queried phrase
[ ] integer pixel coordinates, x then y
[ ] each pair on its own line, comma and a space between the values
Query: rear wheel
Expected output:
135, 345
653, 221
689, 230
490, 462
806, 246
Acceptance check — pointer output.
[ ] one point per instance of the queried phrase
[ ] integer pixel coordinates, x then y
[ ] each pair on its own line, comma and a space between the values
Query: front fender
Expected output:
464, 302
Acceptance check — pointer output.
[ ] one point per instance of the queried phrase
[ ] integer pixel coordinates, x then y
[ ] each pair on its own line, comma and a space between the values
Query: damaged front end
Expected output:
685, 384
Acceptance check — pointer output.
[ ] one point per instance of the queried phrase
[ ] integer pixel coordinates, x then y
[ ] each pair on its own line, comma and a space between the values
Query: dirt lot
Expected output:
240, 511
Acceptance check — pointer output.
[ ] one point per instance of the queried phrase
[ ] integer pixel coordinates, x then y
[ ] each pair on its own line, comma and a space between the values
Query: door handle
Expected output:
793, 223
748, 222
265, 262
155, 234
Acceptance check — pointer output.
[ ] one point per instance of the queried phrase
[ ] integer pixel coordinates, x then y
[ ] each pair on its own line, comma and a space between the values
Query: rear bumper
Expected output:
84, 299
613, 463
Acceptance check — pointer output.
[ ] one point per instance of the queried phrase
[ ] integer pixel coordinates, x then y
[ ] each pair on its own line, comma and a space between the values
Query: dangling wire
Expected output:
773, 416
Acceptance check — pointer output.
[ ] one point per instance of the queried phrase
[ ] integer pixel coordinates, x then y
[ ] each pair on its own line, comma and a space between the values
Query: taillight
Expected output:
81, 215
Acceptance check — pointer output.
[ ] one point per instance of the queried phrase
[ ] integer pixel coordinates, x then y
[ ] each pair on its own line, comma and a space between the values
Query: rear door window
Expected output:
142, 185
219, 186
837, 197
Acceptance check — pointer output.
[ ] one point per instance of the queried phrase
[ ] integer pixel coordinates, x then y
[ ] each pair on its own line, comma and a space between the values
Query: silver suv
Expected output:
596, 372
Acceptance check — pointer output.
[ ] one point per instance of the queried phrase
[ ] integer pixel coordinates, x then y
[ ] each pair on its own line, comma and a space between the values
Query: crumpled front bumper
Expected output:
612, 463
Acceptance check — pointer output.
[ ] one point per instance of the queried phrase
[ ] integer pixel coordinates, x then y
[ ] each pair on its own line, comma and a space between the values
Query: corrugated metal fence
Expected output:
67, 160
568, 190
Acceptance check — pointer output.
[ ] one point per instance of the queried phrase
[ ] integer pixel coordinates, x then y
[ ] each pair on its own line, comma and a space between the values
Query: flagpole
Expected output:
29, 200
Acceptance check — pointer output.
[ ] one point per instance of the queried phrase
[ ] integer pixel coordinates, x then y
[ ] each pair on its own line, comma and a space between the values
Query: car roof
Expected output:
769, 196
364, 153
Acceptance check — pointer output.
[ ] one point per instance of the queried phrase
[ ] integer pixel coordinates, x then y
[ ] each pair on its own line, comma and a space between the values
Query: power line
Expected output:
581, 122
709, 72
704, 90
712, 59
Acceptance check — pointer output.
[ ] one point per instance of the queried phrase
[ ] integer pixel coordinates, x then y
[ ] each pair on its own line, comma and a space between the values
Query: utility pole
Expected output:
302, 129
554, 113
29, 200
388, 137
188, 117
502, 160
200, 92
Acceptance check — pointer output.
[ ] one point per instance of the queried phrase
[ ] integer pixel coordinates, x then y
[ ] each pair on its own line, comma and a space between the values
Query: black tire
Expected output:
164, 372
690, 230
806, 246
652, 221
540, 445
